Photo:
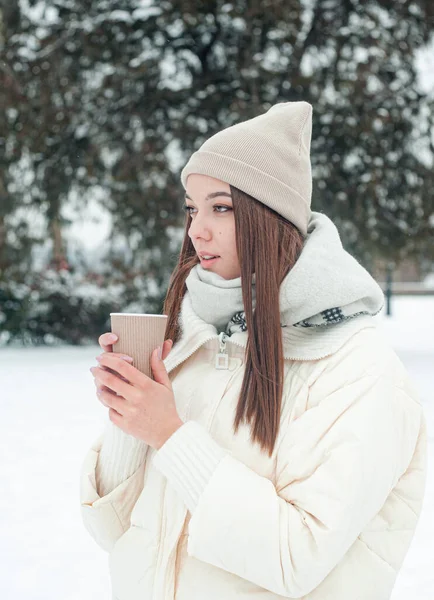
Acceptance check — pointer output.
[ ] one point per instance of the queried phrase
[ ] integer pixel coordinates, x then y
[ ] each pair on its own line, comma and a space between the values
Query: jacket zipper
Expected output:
222, 358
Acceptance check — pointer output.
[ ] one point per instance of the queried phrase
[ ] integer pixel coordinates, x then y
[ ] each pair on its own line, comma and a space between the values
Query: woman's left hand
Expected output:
144, 408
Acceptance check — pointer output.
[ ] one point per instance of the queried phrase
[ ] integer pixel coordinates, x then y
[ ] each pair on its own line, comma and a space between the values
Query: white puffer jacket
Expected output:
330, 516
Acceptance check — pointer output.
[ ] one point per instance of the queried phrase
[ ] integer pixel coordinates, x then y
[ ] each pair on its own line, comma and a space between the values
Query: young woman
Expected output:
280, 451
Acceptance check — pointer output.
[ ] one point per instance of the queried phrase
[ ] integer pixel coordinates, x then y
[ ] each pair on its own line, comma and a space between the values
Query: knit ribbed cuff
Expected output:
188, 459
120, 456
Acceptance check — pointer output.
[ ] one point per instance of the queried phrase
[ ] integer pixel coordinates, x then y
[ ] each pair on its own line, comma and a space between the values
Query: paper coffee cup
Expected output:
138, 336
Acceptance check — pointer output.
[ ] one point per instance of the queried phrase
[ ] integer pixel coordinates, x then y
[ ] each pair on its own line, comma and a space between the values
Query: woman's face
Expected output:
212, 229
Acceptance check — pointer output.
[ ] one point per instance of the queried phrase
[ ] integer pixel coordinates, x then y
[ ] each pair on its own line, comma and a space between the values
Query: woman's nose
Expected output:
199, 227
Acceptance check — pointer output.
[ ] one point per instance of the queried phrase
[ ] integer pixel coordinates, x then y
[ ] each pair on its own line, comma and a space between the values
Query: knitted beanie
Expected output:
267, 157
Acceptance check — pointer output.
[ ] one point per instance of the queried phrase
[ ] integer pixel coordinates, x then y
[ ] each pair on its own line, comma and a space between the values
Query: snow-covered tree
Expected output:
107, 99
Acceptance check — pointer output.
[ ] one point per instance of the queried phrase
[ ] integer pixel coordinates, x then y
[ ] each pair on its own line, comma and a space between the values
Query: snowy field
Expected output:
49, 418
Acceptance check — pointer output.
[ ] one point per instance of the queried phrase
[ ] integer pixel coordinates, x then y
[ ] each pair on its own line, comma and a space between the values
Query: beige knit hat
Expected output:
268, 157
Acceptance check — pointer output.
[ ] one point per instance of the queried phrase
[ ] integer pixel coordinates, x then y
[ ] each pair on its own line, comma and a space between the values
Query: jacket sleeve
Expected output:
119, 457
107, 517
336, 464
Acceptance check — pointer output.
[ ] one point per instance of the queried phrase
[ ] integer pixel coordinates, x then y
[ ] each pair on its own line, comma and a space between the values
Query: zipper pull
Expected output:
222, 358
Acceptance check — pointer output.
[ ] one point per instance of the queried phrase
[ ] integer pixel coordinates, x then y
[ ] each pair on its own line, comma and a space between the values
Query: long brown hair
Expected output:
269, 246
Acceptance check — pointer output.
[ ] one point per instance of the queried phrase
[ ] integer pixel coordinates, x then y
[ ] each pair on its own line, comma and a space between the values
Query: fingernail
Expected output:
98, 358
112, 337
159, 352
127, 358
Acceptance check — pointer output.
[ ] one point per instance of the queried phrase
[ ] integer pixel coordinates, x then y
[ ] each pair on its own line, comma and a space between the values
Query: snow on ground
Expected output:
50, 416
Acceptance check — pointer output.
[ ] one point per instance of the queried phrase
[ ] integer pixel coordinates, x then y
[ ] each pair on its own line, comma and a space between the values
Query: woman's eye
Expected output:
188, 209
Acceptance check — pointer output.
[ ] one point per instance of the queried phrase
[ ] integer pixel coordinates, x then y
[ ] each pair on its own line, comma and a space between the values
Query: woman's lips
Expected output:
208, 263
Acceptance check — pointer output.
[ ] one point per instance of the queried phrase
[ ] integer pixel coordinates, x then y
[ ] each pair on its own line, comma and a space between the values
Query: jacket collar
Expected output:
299, 343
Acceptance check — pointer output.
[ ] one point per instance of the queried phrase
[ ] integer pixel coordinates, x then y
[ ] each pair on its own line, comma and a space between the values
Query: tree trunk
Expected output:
2, 243
58, 259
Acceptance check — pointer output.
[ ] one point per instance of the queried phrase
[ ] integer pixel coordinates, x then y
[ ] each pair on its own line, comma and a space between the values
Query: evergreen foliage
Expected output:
105, 100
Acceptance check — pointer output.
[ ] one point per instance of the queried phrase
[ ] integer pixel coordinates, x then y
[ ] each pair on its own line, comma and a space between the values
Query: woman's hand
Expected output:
106, 341
140, 406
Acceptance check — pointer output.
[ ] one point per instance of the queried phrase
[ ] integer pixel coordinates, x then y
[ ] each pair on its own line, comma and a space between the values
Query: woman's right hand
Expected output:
106, 341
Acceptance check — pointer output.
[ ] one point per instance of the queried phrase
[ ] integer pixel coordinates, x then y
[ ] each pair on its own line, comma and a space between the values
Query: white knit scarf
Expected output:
326, 286
215, 299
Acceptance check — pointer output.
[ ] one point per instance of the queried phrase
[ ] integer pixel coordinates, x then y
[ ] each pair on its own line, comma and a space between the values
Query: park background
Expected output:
102, 102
